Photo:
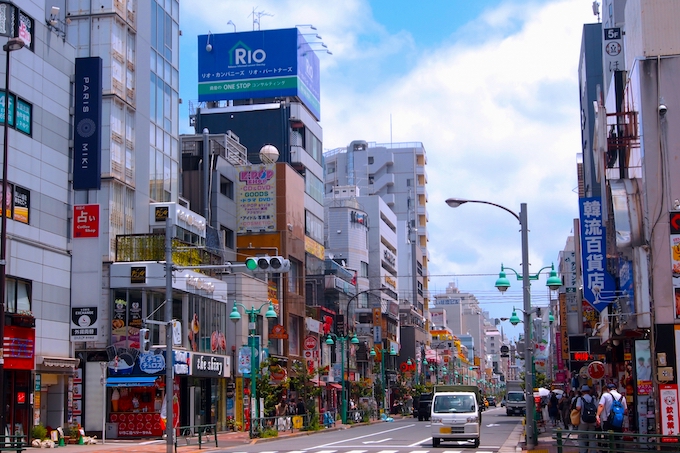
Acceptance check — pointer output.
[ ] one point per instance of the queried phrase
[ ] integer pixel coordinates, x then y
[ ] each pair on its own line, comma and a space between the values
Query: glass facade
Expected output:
164, 101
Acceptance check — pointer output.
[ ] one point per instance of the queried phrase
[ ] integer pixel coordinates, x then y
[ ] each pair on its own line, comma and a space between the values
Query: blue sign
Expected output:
258, 64
87, 141
598, 286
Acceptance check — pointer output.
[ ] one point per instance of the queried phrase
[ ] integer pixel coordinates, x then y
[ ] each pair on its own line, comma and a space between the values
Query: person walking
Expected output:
564, 407
586, 404
553, 410
604, 409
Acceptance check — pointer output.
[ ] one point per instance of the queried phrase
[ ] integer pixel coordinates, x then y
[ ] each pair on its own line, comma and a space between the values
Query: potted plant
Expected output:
72, 432
39, 432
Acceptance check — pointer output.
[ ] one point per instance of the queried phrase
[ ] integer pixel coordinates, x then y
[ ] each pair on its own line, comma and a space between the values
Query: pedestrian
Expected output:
604, 409
564, 407
553, 410
301, 409
586, 405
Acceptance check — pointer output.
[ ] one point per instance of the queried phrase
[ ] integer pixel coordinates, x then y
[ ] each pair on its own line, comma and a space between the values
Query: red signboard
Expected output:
596, 370
86, 221
19, 344
311, 343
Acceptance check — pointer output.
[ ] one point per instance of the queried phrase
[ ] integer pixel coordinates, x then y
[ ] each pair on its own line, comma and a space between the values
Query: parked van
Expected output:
455, 416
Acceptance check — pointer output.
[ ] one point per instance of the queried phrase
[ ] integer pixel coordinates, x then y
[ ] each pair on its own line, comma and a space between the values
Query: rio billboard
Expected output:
258, 64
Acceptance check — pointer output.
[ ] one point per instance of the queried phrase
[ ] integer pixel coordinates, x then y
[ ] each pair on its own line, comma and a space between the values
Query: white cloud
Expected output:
495, 105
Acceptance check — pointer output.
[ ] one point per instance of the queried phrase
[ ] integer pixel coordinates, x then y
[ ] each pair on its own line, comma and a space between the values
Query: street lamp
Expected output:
531, 437
252, 313
11, 45
353, 340
382, 365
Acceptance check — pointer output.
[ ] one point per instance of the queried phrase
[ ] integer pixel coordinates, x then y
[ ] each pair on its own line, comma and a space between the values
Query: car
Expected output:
455, 417
491, 400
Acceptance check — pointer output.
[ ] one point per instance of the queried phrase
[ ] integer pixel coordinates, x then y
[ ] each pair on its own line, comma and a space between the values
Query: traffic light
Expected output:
277, 264
145, 340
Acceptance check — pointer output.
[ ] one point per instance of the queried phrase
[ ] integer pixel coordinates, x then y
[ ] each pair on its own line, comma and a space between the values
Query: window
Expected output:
371, 179
370, 160
228, 237
18, 296
226, 187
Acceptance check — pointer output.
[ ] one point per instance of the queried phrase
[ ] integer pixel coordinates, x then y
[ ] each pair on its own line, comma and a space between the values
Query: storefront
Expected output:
201, 363
19, 354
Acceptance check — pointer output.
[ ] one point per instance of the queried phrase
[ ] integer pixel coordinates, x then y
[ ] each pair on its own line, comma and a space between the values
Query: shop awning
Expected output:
60, 362
334, 385
142, 381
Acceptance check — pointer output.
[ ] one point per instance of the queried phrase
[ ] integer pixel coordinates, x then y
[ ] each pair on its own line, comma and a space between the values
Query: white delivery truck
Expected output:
515, 401
456, 414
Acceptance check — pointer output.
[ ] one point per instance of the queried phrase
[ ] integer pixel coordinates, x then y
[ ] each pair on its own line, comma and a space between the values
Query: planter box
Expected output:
17, 320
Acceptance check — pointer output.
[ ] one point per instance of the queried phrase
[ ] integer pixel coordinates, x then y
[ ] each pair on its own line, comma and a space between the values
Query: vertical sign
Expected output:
87, 120
613, 53
668, 395
598, 285
256, 200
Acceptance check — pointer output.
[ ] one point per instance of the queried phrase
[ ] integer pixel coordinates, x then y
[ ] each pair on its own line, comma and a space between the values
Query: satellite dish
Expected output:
269, 154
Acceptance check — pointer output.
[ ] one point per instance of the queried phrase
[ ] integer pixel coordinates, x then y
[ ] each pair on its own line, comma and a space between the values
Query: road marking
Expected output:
492, 424
356, 451
365, 436
417, 444
377, 441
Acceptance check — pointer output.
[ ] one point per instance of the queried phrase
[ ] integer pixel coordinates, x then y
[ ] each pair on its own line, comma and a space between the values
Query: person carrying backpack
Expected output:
587, 406
607, 416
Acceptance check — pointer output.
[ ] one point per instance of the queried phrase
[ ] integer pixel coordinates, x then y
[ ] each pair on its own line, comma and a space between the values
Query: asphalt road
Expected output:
406, 435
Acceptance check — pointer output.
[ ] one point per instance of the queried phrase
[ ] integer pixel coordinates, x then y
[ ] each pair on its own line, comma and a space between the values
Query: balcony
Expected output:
151, 247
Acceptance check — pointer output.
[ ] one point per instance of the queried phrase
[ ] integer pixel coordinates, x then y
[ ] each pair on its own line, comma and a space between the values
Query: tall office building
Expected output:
38, 364
396, 173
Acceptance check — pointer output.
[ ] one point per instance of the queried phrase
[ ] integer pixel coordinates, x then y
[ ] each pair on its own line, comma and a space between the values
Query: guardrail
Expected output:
568, 441
195, 435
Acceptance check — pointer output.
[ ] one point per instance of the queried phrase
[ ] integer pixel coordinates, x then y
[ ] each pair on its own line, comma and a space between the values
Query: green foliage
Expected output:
269, 432
271, 394
39, 432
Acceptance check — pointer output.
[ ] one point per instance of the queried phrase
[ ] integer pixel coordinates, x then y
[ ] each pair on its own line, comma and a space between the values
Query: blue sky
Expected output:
489, 87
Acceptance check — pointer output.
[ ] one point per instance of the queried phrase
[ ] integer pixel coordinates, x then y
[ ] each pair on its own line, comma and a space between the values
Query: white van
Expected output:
455, 416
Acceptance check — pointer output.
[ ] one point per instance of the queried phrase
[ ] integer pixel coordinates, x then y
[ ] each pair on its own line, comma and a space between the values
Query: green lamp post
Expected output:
252, 313
382, 367
522, 217
342, 340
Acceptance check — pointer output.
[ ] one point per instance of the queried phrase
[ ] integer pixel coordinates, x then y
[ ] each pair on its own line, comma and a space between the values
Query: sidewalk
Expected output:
546, 443
224, 440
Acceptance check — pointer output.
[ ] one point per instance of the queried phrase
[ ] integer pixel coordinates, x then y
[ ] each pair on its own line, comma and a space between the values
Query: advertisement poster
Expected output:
643, 367
256, 198
675, 259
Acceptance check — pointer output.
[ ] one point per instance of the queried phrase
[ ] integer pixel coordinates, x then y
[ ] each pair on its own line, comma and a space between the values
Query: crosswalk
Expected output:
437, 450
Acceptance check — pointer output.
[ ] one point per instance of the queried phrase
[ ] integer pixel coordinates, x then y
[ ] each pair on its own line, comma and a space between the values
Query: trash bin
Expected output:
111, 430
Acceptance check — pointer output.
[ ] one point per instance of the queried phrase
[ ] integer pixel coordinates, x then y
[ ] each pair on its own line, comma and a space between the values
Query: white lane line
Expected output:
377, 441
364, 436
356, 451
326, 451
417, 444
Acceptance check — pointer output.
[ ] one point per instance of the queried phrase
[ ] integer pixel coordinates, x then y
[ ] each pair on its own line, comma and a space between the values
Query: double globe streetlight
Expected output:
382, 367
329, 341
252, 313
526, 278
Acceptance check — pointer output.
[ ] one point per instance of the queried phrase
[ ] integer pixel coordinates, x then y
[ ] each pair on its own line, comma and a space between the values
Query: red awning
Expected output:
334, 385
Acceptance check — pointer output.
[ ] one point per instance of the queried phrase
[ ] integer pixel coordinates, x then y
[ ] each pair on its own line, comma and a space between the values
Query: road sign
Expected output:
311, 343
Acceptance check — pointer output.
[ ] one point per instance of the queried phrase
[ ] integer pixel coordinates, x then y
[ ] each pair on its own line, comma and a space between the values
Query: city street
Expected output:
405, 435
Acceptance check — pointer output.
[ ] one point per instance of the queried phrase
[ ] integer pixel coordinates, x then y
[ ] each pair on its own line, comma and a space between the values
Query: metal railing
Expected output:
195, 435
568, 441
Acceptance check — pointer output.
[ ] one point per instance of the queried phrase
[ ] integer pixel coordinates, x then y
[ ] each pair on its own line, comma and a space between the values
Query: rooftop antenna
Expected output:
596, 9
257, 15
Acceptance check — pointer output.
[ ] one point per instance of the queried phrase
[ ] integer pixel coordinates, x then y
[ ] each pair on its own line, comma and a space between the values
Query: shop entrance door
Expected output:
196, 406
